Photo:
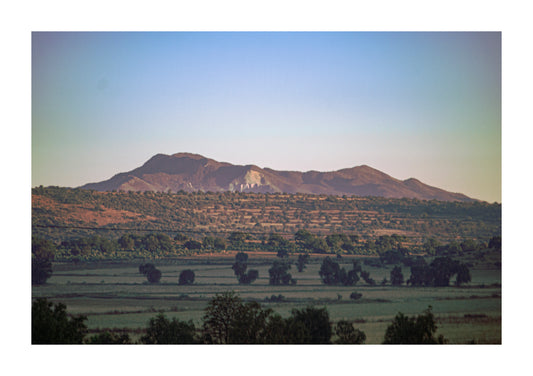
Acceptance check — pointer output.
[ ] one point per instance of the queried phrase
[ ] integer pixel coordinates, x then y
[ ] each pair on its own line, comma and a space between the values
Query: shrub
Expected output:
355, 295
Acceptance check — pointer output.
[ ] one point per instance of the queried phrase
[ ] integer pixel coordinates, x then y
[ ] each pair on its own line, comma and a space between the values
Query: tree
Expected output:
332, 274
153, 275
229, 320
315, 323
208, 242
145, 268
237, 239
41, 270
431, 245
303, 260
192, 244
50, 324
463, 274
164, 331
219, 243
441, 270
186, 277
248, 277
42, 252
396, 276
347, 334
42, 248
366, 277
496, 243
278, 242
108, 338
420, 274
126, 242
239, 268
241, 263
279, 273
410, 330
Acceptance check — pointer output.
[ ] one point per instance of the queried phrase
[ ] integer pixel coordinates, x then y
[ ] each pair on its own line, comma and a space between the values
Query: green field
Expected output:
114, 295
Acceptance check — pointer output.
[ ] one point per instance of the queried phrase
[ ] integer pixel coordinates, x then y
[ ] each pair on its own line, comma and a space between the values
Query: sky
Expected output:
423, 104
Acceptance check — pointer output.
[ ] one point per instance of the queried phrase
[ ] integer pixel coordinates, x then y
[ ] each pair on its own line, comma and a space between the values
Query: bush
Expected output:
355, 295
275, 298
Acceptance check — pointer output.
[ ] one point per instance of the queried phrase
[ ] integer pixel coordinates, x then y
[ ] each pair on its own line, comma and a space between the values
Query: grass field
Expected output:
116, 296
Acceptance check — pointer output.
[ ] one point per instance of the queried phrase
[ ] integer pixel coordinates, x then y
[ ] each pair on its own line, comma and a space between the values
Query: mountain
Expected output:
193, 172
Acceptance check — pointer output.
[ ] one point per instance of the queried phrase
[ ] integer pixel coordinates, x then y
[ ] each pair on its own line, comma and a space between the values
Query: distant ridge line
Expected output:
193, 172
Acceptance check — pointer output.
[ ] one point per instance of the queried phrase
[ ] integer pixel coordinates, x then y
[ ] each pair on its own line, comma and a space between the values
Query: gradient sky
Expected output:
423, 105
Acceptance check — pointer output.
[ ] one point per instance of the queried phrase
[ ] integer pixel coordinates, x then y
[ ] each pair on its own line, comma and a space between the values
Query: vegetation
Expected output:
50, 324
438, 272
332, 274
396, 276
42, 253
274, 222
313, 325
355, 295
107, 338
303, 260
239, 268
164, 331
410, 330
279, 273
347, 334
229, 320
440, 243
186, 277
153, 275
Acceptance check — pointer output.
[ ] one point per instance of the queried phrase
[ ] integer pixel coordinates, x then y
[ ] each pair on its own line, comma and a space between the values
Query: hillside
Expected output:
64, 213
192, 172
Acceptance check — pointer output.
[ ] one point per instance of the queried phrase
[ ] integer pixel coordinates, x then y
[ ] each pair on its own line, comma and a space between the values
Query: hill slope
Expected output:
193, 172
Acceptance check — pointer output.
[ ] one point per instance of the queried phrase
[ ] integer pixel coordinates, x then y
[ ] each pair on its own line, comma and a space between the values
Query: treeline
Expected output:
390, 249
230, 320
262, 213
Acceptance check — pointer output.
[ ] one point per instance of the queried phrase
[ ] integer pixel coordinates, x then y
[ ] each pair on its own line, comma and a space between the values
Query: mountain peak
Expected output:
187, 155
194, 172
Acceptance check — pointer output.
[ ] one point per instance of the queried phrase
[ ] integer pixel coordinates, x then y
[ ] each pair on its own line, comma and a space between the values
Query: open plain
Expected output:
116, 297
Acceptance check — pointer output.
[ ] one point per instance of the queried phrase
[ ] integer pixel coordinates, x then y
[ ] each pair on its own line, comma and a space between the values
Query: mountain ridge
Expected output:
193, 172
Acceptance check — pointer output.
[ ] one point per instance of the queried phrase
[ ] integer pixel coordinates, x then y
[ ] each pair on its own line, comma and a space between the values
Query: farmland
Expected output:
96, 242
115, 296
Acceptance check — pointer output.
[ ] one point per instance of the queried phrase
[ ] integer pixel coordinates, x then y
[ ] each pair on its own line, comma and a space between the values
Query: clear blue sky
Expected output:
423, 105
